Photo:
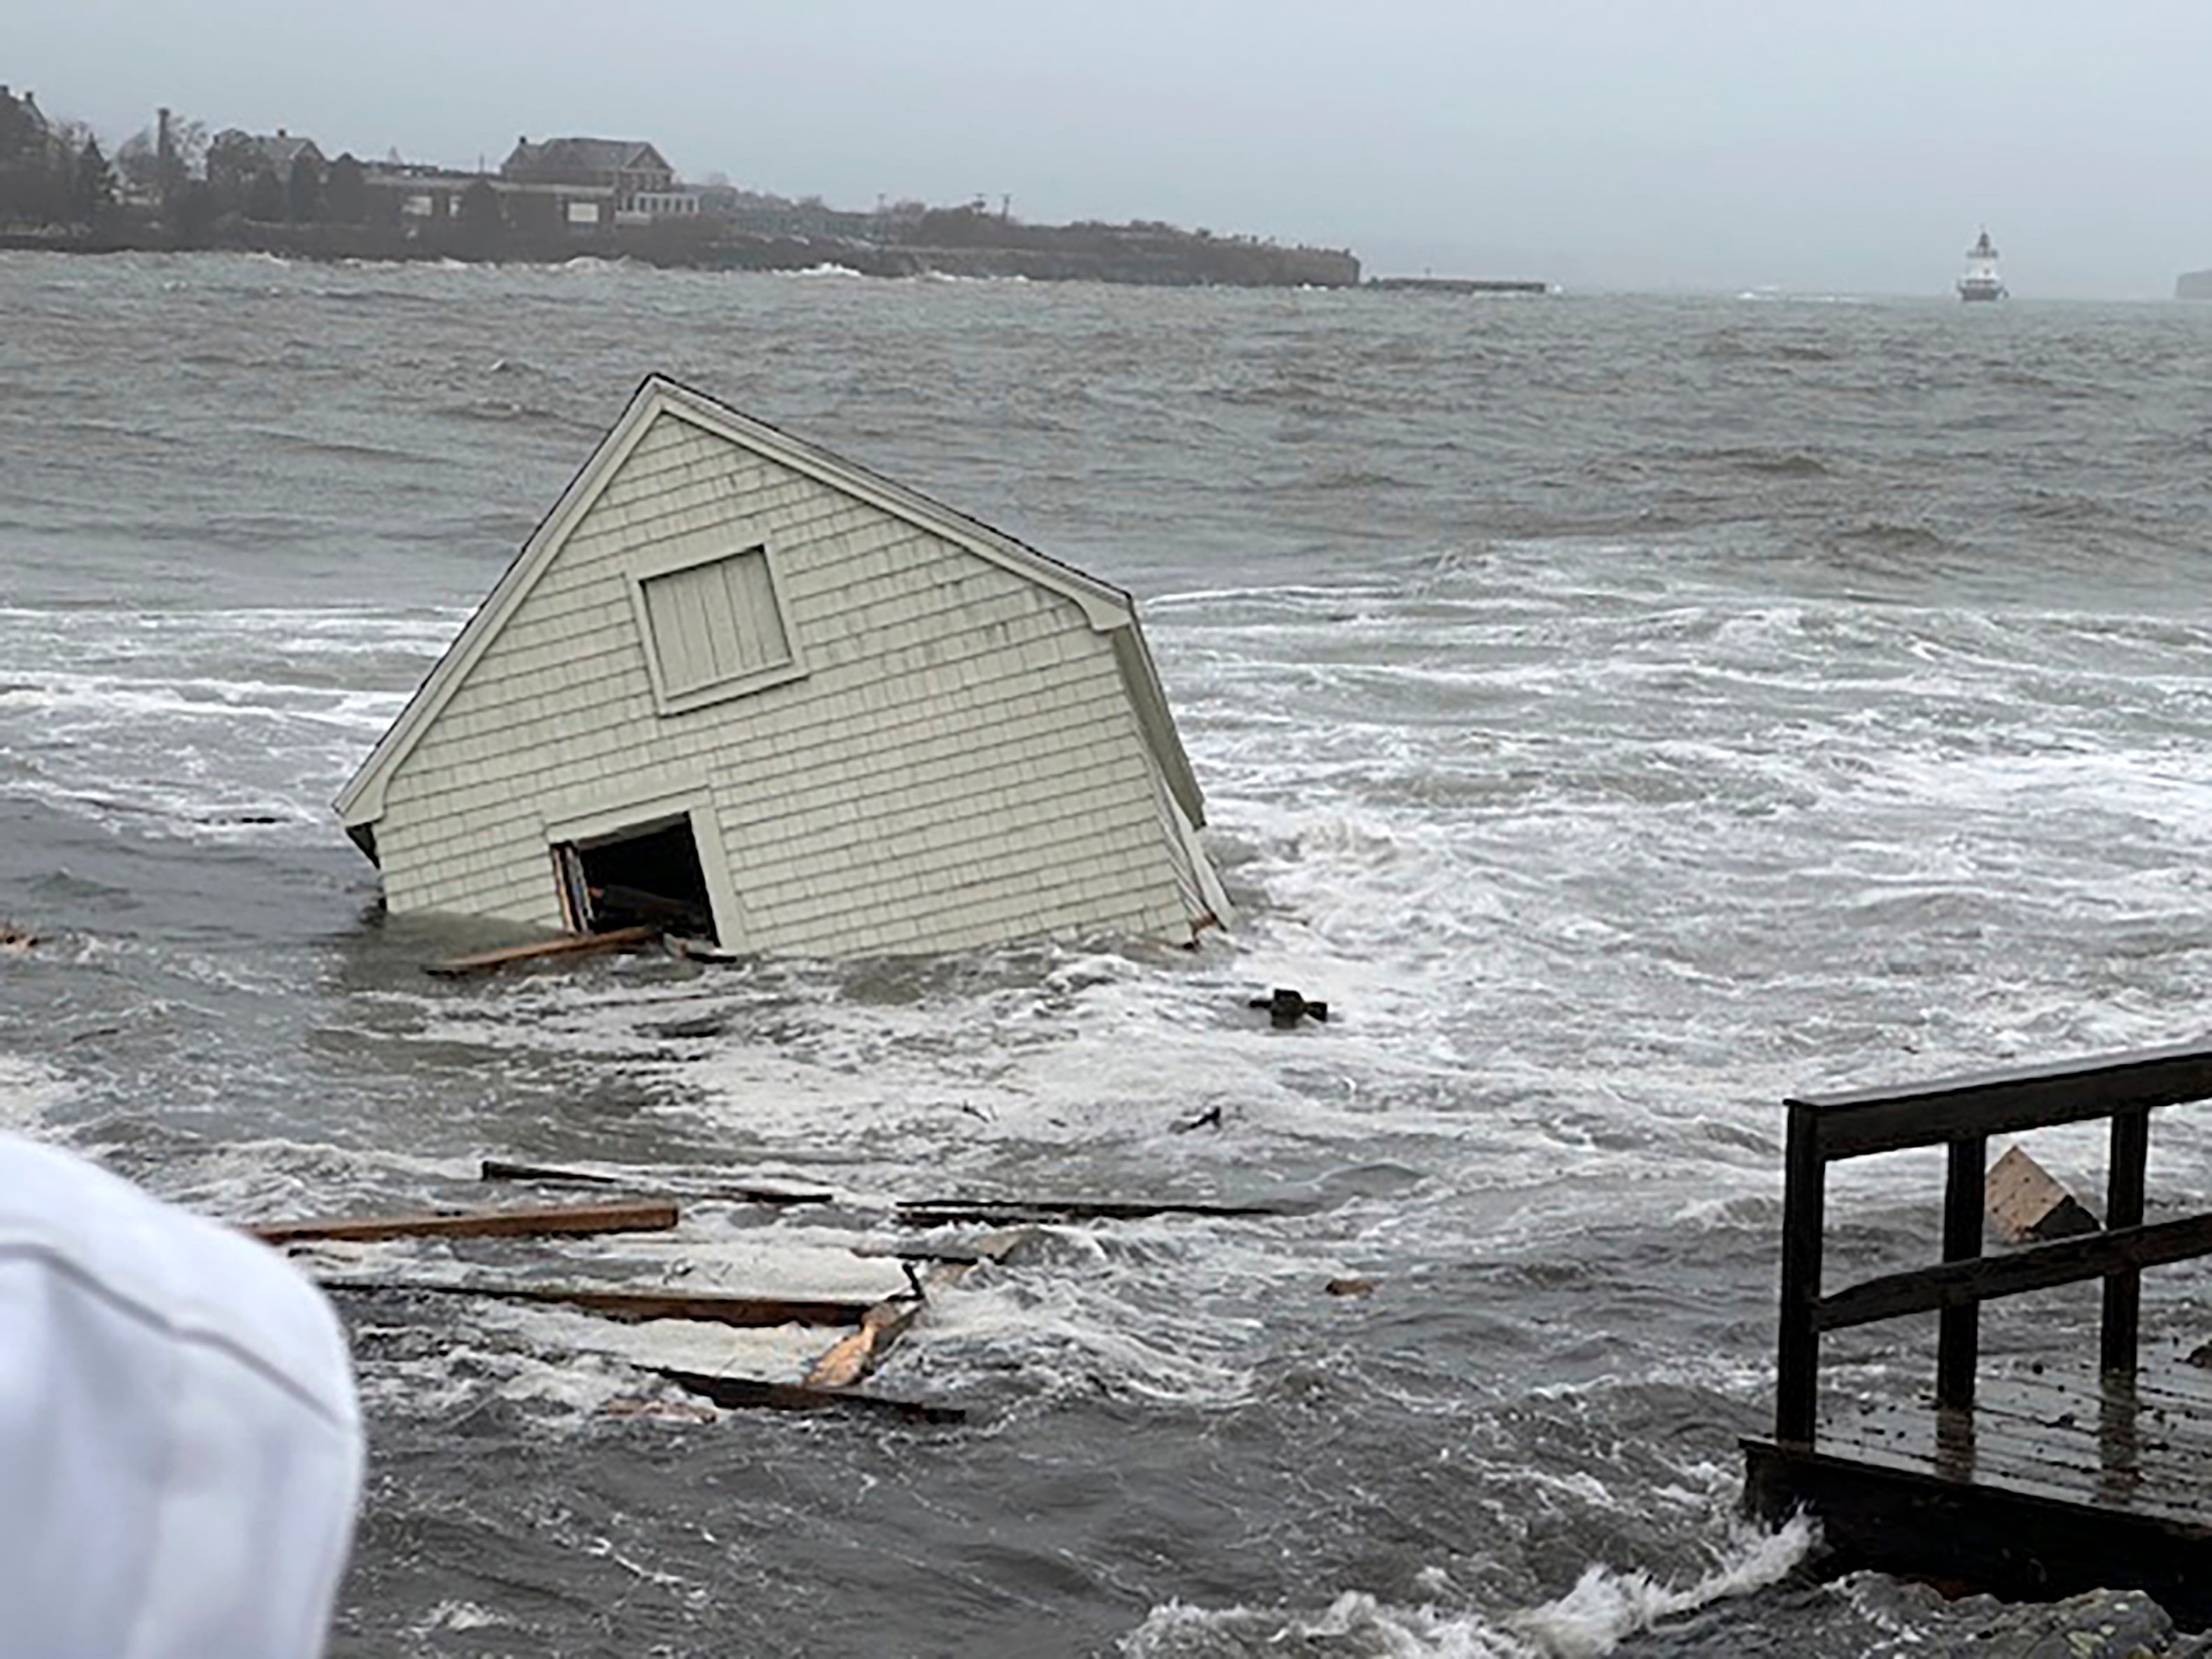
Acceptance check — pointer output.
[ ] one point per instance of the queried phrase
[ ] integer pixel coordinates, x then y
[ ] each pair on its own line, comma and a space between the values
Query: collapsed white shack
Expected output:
737, 684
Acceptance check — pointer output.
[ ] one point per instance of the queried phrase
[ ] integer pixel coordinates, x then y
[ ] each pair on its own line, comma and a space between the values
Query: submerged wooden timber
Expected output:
910, 1211
713, 1307
527, 1220
568, 944
498, 1169
2095, 1473
740, 1393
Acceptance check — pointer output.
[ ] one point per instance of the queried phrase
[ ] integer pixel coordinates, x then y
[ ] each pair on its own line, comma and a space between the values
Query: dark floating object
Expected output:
498, 1169
1003, 1212
1285, 1007
1351, 1287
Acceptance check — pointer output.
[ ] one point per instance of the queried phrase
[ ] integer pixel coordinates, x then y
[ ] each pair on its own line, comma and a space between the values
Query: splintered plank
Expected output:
716, 1307
852, 1356
521, 1221
547, 1175
572, 945
734, 1393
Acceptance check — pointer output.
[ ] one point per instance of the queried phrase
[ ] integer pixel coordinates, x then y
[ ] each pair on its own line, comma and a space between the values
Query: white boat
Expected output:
1981, 281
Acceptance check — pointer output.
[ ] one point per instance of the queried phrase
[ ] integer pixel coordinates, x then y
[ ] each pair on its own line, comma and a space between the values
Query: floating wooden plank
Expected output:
935, 1253
496, 1168
716, 1307
571, 944
739, 1392
943, 1212
2029, 1204
520, 1221
914, 1212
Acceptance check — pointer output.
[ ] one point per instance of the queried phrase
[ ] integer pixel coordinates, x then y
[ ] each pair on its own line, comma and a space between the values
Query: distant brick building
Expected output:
643, 183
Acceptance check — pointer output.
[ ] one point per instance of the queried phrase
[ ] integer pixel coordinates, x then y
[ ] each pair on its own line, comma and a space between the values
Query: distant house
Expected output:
27, 158
643, 183
279, 151
740, 682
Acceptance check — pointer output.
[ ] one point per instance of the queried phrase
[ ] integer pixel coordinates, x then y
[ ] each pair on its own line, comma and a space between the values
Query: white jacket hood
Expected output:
181, 1447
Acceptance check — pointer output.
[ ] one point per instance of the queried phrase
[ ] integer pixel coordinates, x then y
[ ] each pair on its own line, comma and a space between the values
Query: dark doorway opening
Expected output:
650, 875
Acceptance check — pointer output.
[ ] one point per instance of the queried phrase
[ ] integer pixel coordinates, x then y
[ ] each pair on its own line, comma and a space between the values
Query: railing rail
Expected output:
1960, 1113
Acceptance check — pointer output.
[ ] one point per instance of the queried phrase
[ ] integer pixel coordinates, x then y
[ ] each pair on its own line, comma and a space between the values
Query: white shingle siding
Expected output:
944, 755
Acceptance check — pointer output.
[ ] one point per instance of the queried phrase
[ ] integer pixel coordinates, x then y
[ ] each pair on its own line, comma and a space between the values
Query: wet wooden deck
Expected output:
2046, 1485
2033, 1481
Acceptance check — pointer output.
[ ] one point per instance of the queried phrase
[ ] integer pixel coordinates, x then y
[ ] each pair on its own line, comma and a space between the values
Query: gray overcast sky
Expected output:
1851, 146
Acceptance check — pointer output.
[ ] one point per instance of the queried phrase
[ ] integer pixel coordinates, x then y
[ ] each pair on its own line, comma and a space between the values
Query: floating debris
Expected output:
1286, 1007
739, 1313
2029, 1204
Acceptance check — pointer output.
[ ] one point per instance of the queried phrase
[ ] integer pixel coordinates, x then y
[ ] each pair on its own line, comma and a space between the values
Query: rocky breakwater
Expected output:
969, 242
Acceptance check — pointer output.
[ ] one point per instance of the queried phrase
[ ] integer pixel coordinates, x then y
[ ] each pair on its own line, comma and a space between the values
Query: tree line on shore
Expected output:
173, 185
53, 174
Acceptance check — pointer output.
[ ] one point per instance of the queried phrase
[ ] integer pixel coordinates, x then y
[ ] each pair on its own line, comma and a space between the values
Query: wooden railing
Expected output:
1961, 1113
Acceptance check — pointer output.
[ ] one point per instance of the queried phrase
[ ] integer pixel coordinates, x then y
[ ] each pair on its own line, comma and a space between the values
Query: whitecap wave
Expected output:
1605, 1608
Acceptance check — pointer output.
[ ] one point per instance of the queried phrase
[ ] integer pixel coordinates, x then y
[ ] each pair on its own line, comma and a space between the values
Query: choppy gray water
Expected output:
1624, 711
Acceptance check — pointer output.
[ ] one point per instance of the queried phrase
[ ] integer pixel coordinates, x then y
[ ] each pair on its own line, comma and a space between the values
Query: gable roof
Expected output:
582, 154
1106, 607
280, 149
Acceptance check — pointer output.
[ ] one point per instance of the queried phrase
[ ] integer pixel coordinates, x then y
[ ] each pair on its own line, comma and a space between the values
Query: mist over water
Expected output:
1624, 712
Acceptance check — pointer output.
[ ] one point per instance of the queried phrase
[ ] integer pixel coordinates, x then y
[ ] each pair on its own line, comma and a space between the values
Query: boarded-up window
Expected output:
715, 629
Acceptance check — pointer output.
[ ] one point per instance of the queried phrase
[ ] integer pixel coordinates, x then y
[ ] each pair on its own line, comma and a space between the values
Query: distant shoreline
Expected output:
1176, 261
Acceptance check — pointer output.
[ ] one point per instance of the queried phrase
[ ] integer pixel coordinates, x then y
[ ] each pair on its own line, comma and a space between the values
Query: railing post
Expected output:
1959, 1339
1797, 1346
2123, 1207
